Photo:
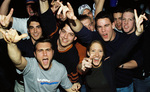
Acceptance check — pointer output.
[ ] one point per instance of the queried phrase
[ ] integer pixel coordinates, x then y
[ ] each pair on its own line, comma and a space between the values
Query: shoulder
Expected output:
57, 64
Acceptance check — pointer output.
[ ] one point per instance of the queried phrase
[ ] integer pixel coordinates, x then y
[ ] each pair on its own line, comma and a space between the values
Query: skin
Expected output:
35, 31
128, 22
105, 29
30, 10
96, 53
88, 13
66, 38
118, 20
44, 54
88, 24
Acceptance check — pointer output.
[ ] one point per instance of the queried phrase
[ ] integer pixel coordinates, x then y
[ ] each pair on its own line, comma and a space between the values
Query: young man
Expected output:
117, 14
141, 74
38, 72
87, 22
111, 39
63, 41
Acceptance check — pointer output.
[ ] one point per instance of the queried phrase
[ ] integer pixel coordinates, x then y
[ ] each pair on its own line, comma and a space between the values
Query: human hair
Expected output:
96, 41
83, 17
62, 25
33, 18
104, 14
129, 10
118, 10
42, 40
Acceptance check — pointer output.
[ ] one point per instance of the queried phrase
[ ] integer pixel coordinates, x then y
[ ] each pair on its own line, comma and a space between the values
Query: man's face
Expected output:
105, 29
117, 20
66, 36
88, 13
44, 54
128, 22
30, 10
35, 30
88, 24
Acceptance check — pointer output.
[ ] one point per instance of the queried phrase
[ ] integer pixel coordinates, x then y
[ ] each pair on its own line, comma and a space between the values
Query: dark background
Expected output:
20, 5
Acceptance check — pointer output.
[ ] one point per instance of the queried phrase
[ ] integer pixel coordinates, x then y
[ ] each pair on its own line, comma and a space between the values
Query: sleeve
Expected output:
27, 69
65, 83
20, 24
48, 22
85, 35
123, 51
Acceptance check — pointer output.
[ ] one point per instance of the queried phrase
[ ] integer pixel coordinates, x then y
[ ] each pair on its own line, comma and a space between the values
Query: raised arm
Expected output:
98, 6
44, 5
75, 24
139, 30
128, 45
11, 37
4, 7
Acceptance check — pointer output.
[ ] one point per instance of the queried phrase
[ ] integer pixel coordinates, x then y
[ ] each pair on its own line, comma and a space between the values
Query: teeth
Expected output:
35, 34
64, 40
126, 27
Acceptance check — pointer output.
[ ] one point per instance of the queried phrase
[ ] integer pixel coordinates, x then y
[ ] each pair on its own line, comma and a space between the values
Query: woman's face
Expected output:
96, 53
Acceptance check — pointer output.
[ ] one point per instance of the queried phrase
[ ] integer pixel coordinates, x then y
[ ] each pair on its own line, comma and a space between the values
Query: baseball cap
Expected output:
82, 8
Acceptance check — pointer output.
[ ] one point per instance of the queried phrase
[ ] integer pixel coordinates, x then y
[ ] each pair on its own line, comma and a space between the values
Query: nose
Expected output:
103, 29
65, 35
44, 53
97, 54
35, 30
126, 21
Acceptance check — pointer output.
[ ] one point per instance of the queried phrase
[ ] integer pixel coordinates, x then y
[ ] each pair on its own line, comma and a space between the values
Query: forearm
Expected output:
43, 6
76, 25
98, 6
4, 7
14, 53
129, 65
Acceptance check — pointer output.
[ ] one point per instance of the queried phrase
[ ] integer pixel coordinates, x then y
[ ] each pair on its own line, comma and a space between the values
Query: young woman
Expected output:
99, 71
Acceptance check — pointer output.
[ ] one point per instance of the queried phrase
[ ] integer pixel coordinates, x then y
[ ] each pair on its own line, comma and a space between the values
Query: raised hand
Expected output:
86, 63
4, 20
55, 5
11, 35
139, 21
70, 13
67, 11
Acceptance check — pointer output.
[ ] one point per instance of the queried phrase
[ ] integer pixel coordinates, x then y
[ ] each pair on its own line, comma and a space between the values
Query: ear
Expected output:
34, 54
113, 25
88, 53
75, 38
59, 31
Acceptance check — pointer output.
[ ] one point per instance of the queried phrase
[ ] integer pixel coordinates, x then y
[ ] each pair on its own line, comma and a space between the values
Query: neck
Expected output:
62, 48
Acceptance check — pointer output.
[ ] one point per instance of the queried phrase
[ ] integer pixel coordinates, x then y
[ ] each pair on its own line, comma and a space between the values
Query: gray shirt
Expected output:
39, 80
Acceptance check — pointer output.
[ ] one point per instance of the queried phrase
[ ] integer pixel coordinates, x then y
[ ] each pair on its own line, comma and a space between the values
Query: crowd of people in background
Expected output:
90, 49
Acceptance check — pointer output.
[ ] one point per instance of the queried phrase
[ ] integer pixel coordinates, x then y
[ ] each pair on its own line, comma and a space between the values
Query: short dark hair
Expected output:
129, 10
104, 14
118, 9
83, 17
64, 23
33, 18
42, 40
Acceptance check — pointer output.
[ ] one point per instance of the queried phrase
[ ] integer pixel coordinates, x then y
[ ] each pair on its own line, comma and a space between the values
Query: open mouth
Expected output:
45, 61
